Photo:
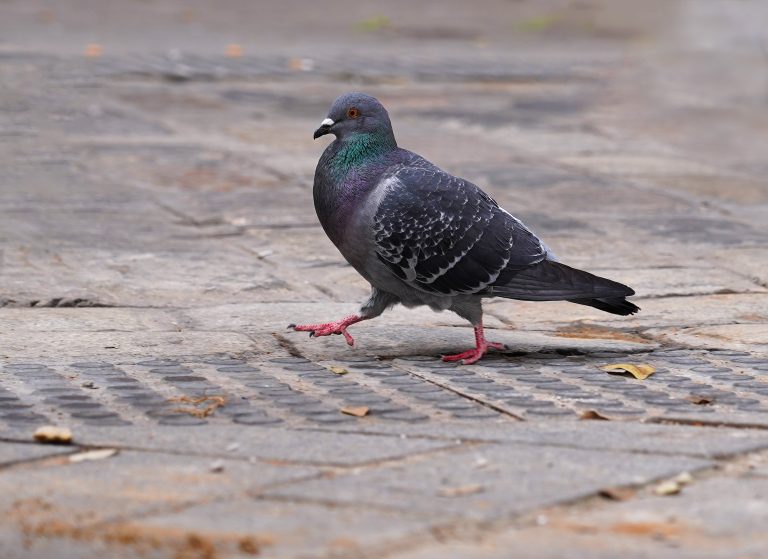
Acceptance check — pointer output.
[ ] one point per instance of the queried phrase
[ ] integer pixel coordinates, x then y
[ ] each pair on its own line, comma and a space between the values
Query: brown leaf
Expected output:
640, 371
93, 50
338, 370
234, 50
700, 400
212, 403
53, 435
593, 414
461, 490
358, 411
617, 493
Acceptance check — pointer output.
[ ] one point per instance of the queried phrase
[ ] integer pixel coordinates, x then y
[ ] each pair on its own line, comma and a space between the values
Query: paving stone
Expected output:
127, 484
14, 453
695, 524
317, 447
707, 442
552, 475
292, 529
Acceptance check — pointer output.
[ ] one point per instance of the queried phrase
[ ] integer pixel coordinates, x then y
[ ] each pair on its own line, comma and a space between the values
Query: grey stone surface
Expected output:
298, 529
705, 442
697, 523
16, 453
130, 484
157, 235
265, 443
492, 483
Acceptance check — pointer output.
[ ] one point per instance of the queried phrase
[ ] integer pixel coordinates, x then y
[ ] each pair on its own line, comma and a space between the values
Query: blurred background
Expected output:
695, 71
630, 135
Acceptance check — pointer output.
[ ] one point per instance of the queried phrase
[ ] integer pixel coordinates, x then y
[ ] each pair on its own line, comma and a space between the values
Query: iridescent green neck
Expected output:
360, 148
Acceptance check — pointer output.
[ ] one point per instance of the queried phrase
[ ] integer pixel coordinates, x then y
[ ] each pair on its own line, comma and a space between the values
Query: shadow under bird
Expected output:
421, 236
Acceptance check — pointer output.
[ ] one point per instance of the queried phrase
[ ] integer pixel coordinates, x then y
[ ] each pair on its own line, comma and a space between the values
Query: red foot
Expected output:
474, 355
328, 328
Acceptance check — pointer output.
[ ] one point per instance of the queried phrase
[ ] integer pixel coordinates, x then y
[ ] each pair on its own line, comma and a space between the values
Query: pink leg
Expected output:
481, 347
328, 328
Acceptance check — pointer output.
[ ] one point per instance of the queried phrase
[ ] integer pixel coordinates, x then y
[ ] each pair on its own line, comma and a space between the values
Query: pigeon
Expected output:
421, 236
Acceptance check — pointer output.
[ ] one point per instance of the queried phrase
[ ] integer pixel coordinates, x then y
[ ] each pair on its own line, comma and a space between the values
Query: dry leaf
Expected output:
358, 411
99, 454
669, 487
93, 50
301, 64
684, 479
673, 486
212, 404
338, 370
641, 371
592, 414
617, 493
700, 400
461, 491
53, 435
234, 51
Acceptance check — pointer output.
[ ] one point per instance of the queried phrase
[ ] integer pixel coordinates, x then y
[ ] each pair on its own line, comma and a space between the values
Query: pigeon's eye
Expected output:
353, 112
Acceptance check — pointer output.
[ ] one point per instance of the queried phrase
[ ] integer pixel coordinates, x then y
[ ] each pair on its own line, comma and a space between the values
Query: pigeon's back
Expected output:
444, 235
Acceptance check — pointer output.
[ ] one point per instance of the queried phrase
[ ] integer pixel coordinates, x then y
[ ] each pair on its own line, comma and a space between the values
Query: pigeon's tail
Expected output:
553, 281
613, 305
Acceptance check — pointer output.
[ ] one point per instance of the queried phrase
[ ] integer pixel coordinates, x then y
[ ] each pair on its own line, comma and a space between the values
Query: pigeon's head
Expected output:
355, 113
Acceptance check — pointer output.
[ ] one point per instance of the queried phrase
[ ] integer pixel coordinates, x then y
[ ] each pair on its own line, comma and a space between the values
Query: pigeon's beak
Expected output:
325, 128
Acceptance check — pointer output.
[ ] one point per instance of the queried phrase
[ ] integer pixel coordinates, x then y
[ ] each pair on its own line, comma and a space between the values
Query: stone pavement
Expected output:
157, 235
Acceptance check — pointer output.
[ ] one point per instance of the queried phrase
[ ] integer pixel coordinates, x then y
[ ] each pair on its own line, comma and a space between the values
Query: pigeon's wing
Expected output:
442, 234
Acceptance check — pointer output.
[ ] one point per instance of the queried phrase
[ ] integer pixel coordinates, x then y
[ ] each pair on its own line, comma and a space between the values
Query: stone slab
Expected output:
267, 443
17, 453
61, 499
699, 523
375, 338
73, 345
491, 482
752, 336
620, 436
291, 529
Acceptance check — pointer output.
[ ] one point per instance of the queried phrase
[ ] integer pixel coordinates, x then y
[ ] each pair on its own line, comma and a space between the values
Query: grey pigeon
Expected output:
421, 236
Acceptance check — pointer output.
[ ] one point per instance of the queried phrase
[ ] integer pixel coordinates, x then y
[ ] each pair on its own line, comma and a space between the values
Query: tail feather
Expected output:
553, 281
613, 305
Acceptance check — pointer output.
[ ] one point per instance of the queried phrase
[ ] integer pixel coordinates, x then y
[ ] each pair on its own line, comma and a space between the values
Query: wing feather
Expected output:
442, 234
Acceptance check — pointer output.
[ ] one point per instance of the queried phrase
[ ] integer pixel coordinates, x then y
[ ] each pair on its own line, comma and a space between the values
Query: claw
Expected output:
481, 348
326, 329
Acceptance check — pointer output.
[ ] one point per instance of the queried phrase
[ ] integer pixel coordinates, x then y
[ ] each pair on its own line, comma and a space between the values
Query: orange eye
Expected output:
353, 112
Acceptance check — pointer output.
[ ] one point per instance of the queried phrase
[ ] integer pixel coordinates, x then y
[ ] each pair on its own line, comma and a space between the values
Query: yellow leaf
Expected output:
669, 487
673, 486
53, 435
641, 371
359, 411
338, 370
372, 24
